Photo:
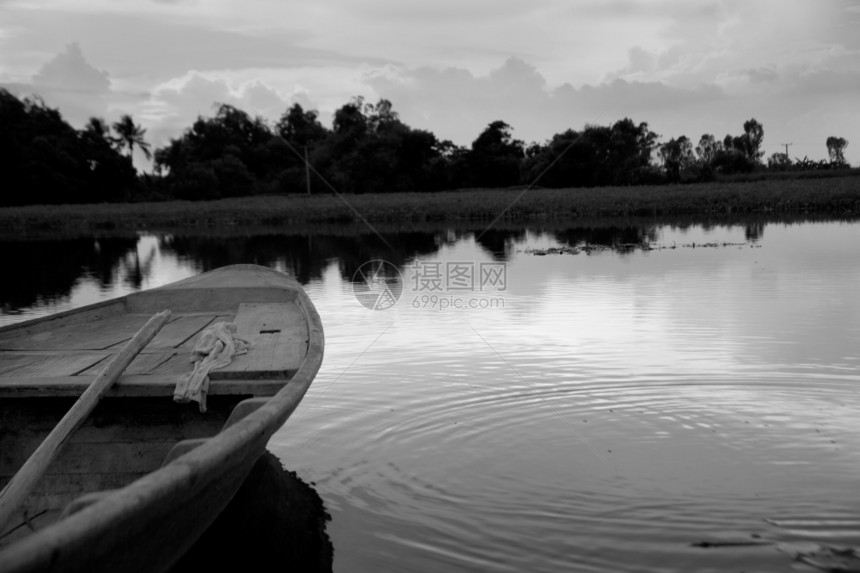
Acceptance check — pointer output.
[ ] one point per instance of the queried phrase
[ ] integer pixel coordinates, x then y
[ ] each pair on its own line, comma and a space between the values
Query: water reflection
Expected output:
303, 256
45, 272
275, 522
499, 244
621, 239
617, 408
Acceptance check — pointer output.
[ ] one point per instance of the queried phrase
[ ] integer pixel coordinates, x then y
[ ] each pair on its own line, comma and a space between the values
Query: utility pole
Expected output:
786, 148
308, 169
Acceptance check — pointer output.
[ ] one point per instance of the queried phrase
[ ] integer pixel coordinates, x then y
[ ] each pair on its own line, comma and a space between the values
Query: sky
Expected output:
686, 67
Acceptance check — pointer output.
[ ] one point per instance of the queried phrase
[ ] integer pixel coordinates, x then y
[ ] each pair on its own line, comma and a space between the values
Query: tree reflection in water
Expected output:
45, 271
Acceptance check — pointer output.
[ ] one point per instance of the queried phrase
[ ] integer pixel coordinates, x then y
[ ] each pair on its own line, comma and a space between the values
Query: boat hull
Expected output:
154, 474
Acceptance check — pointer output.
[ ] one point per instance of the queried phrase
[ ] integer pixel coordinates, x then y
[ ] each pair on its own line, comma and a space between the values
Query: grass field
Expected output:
839, 197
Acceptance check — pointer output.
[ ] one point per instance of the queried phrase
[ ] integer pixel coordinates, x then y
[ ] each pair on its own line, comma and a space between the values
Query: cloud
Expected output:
645, 9
198, 93
175, 105
142, 45
646, 65
456, 104
70, 82
828, 82
450, 67
742, 45
71, 71
641, 60
644, 97
795, 103
761, 75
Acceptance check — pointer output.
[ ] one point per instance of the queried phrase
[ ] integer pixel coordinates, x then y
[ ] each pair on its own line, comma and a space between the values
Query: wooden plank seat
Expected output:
63, 361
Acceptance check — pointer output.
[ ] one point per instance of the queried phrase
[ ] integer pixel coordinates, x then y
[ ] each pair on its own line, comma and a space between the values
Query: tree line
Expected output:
367, 149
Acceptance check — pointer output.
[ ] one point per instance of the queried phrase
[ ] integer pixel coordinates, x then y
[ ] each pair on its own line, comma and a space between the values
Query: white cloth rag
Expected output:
215, 348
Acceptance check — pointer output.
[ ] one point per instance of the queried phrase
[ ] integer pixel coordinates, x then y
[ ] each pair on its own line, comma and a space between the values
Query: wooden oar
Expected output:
22, 484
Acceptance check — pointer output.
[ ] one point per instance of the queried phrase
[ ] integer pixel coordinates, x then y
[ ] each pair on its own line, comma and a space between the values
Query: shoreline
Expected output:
390, 228
835, 197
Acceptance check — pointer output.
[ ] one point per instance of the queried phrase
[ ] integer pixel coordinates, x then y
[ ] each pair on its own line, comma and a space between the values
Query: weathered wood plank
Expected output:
142, 363
179, 331
175, 366
90, 439
253, 317
187, 346
24, 422
93, 312
182, 362
241, 277
110, 457
45, 366
10, 362
64, 362
131, 385
122, 440
213, 299
278, 335
91, 335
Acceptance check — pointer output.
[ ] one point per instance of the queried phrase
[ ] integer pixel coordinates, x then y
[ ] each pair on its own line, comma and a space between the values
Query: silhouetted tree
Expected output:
370, 150
299, 130
45, 160
748, 144
740, 154
753, 137
835, 149
381, 116
495, 156
98, 130
349, 120
129, 134
300, 127
599, 155
112, 176
561, 162
708, 148
730, 160
778, 162
677, 154
630, 148
227, 155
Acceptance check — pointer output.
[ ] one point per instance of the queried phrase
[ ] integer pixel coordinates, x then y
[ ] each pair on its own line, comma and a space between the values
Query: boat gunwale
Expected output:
113, 516
42, 320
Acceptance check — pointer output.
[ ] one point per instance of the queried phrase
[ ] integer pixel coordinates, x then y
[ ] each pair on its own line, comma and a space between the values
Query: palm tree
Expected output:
98, 129
129, 135
96, 135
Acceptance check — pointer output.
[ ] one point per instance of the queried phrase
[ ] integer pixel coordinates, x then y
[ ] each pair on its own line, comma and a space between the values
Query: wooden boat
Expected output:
144, 476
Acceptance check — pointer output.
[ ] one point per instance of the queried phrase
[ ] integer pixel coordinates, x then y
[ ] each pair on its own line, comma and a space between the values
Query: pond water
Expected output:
604, 409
